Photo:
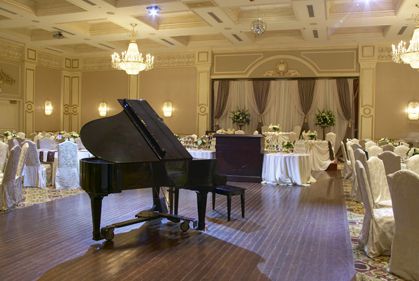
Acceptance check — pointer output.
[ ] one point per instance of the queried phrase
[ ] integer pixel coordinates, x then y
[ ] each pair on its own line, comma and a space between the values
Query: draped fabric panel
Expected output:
306, 93
222, 97
345, 104
261, 94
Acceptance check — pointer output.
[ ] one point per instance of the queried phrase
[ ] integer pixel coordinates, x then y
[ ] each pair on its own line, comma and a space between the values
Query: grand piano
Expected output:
135, 149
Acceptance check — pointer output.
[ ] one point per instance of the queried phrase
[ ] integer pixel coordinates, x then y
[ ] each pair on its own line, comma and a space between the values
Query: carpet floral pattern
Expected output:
368, 269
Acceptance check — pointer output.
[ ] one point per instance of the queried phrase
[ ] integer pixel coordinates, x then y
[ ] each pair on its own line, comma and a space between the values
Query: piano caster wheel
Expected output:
184, 226
107, 233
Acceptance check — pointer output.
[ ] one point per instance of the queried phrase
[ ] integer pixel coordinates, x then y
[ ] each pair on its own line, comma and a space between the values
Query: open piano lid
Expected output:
136, 134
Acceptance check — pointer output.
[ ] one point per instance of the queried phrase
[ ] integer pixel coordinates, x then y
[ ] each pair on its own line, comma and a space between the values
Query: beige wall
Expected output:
102, 86
47, 87
177, 85
396, 85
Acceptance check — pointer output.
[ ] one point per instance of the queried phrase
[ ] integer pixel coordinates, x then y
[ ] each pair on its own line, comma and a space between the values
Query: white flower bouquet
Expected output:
274, 128
9, 135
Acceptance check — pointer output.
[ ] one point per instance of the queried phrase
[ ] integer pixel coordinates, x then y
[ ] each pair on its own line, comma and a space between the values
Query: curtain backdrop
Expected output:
222, 97
306, 93
345, 104
284, 105
261, 94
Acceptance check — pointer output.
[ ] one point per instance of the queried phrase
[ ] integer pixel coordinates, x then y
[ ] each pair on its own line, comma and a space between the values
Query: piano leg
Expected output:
202, 208
96, 205
156, 199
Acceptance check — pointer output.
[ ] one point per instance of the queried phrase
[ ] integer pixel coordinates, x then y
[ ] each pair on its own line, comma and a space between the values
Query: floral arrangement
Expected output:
312, 135
287, 146
325, 118
61, 136
240, 116
413, 151
274, 128
202, 141
9, 134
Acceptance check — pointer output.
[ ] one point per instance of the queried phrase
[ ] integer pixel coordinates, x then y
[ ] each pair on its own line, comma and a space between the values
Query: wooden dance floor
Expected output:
289, 233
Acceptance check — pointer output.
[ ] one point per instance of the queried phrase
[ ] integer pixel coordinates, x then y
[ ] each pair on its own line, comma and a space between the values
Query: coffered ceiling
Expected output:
103, 26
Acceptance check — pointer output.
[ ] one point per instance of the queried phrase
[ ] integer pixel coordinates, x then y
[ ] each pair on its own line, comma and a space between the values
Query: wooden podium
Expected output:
240, 157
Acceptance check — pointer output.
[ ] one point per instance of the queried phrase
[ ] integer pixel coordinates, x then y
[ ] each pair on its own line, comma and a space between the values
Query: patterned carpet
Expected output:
42, 195
368, 269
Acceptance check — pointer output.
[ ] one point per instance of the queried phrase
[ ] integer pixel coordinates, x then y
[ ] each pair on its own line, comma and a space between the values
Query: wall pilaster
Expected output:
29, 68
71, 96
203, 80
367, 62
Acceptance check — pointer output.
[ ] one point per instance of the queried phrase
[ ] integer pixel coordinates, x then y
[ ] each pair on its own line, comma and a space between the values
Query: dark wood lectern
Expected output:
240, 157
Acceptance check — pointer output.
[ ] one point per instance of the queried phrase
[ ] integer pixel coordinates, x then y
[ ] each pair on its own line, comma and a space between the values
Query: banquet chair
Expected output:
347, 168
293, 137
4, 148
404, 260
300, 147
80, 145
67, 174
370, 143
391, 161
378, 224
413, 163
360, 155
21, 135
354, 140
355, 146
12, 142
19, 173
378, 182
332, 138
354, 192
34, 173
374, 150
401, 150
47, 143
8, 181
388, 147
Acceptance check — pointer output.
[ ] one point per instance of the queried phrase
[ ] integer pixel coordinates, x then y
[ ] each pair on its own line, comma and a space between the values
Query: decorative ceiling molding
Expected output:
384, 54
50, 60
10, 51
281, 70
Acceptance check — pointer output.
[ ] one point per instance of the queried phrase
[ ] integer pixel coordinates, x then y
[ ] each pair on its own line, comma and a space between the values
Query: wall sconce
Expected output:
48, 107
167, 109
413, 110
103, 109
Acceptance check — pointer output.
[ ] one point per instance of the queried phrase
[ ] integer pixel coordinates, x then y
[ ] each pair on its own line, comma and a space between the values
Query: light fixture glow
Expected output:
103, 109
407, 54
48, 108
413, 110
132, 61
258, 27
153, 10
167, 109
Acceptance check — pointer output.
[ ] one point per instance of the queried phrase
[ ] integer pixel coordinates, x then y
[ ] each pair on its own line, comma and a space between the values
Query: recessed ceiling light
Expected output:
153, 10
227, 28
110, 13
36, 21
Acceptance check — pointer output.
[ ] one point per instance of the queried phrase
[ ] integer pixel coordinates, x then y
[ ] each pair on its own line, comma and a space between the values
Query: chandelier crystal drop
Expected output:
407, 54
131, 60
258, 27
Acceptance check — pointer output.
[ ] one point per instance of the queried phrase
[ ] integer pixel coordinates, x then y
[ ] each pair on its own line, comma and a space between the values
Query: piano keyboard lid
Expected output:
137, 134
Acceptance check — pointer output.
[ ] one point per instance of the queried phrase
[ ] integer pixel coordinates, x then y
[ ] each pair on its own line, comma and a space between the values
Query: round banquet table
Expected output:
201, 153
287, 168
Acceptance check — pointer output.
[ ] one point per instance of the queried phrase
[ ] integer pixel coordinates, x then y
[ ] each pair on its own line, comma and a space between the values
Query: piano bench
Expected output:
229, 191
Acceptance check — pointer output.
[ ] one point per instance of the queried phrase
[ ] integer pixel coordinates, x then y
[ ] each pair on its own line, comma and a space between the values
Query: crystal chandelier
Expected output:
408, 54
132, 61
258, 27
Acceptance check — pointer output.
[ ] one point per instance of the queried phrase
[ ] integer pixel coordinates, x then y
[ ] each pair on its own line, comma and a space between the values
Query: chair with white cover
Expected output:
369, 143
351, 156
21, 135
8, 181
413, 163
4, 149
67, 174
388, 147
292, 137
404, 260
354, 140
374, 150
300, 147
391, 161
47, 143
378, 182
34, 172
80, 145
12, 142
332, 138
19, 173
359, 155
347, 168
378, 225
401, 150
355, 146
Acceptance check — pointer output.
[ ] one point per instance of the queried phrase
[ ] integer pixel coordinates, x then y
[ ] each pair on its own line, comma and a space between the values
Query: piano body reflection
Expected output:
135, 149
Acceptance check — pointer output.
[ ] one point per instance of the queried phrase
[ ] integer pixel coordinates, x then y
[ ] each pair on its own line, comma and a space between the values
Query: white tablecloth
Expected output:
319, 154
287, 168
202, 153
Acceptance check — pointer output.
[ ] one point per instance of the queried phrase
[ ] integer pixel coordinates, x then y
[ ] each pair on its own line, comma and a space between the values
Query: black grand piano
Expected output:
135, 149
